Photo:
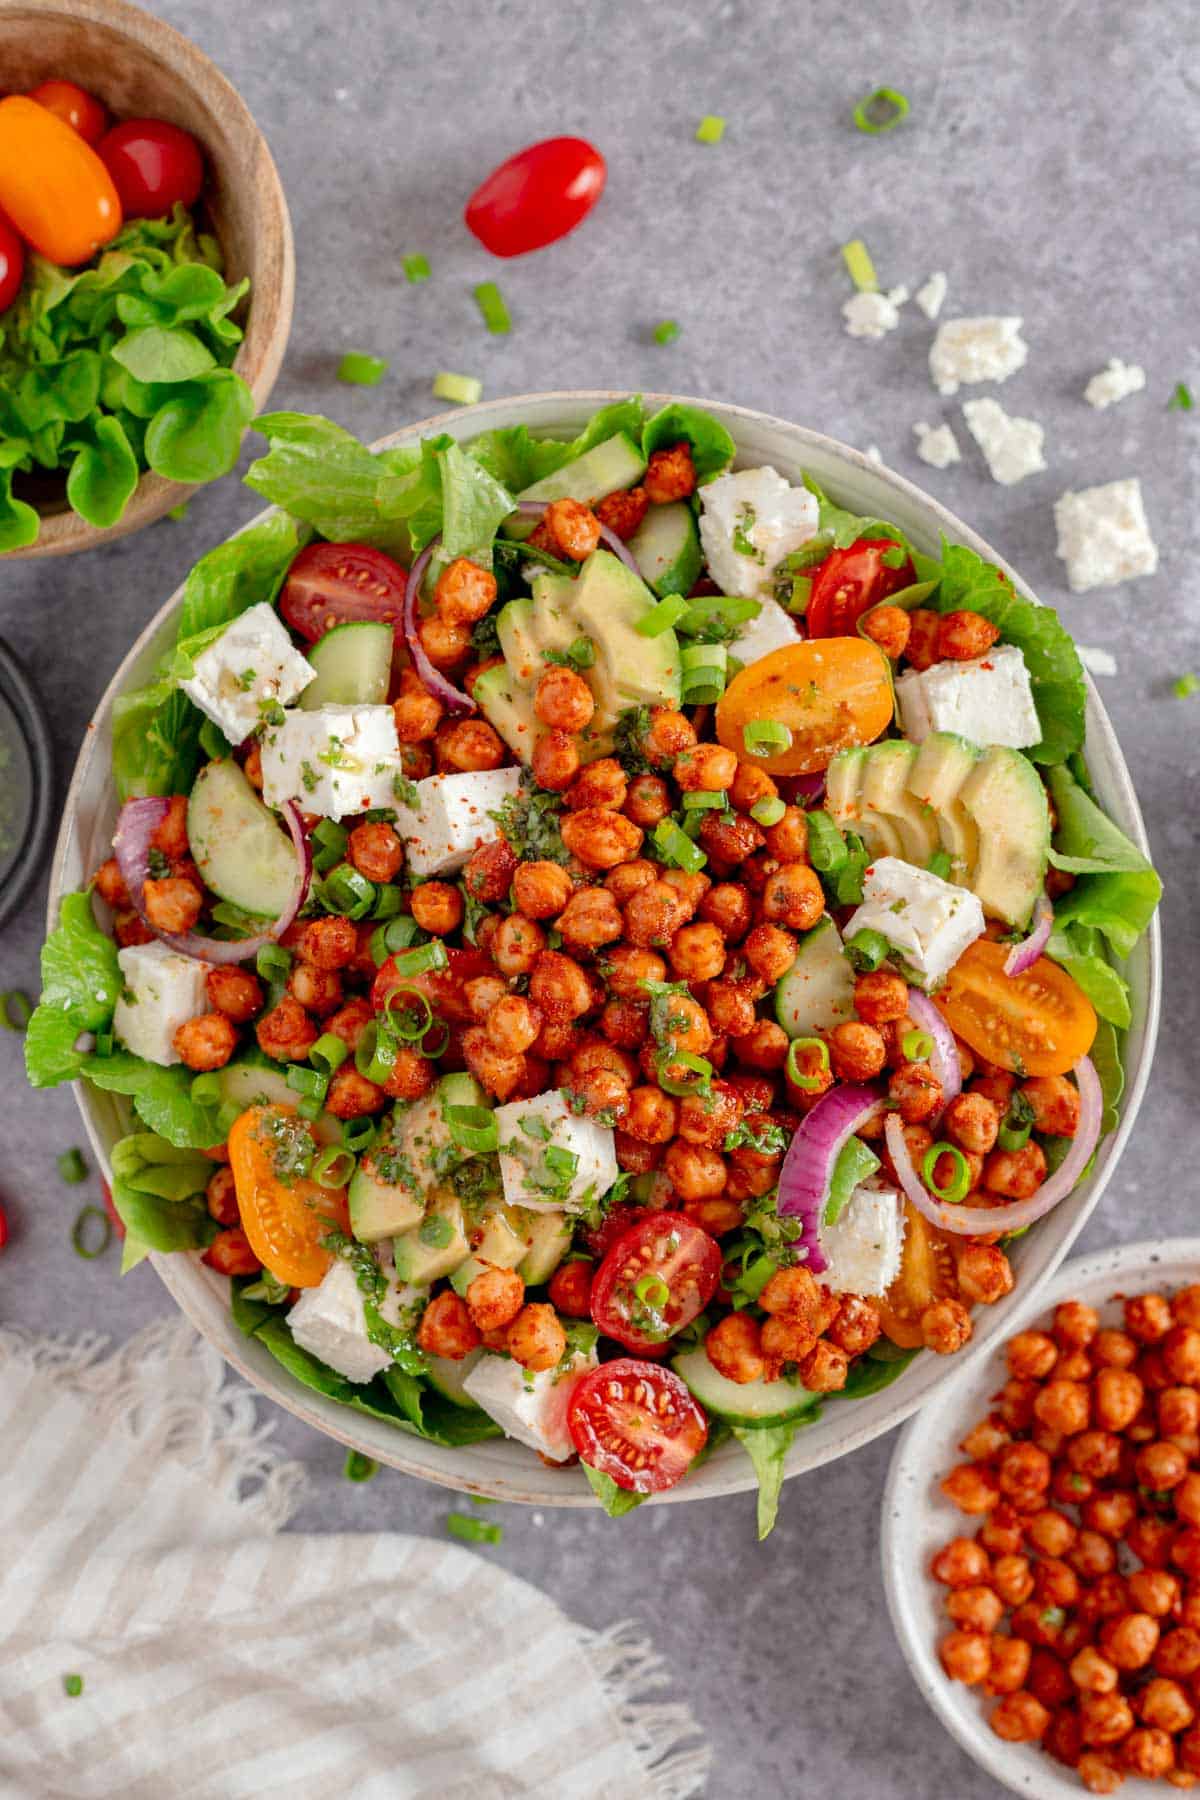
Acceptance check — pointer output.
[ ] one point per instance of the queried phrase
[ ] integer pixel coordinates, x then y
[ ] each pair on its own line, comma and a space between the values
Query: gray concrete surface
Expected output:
1048, 167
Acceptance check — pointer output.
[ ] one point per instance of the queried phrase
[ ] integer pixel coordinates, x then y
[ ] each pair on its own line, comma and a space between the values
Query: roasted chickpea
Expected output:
972, 1122
623, 511
648, 800
234, 992
351, 1095
1048, 1679
469, 745
960, 1563
964, 635
410, 1076
1105, 1718
489, 870
1009, 1666
599, 784
1161, 1466
464, 591
1117, 1396
1092, 1672
1023, 1468
1181, 1354
329, 943
670, 474
1012, 1578
417, 713
705, 767
857, 1325
286, 1033
1113, 1350
1165, 1704
697, 952
734, 1348
709, 1118
320, 990
1016, 1174
1051, 1532
966, 1656
375, 851
1187, 1305
172, 904
513, 1024
1110, 1513
494, 1298
1019, 1718
590, 918
1063, 1406
651, 1116
764, 1046
437, 907
731, 1008
555, 761
1152, 1541
984, 1272
856, 1052
128, 929
1075, 1325
1147, 1317
1002, 1532
887, 626
559, 986
170, 834
916, 1090
880, 997
628, 967
573, 529
986, 1439
499, 1073
975, 1608
667, 735
695, 1171
825, 1368
921, 651
206, 1042
729, 839
446, 643
517, 947
563, 700
446, 1327
536, 1338
945, 1326
541, 889
110, 884
1130, 1640
1055, 1104
1178, 1410
600, 838
1015, 1401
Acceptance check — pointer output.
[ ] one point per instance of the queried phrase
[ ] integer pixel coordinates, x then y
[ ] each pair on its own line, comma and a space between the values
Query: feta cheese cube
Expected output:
529, 1406
550, 1157
873, 315
750, 521
1012, 447
863, 1248
936, 445
981, 349
928, 921
988, 700
162, 991
1103, 536
773, 629
329, 1322
931, 297
453, 816
1116, 382
334, 761
251, 663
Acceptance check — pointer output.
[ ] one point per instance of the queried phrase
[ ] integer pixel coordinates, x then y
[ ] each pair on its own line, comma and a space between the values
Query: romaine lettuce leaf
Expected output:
515, 459
1086, 842
159, 1193
1077, 949
1116, 889
81, 980
616, 1501
161, 1097
767, 1447
842, 528
712, 447
474, 504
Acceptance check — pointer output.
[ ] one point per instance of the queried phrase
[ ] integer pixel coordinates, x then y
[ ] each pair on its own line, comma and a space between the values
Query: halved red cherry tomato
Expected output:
75, 107
12, 264
655, 1279
637, 1424
537, 196
154, 165
443, 988
601, 1238
848, 582
328, 584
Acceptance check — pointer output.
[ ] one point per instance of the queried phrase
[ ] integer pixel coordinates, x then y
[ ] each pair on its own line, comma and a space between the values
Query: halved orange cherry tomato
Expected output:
850, 581
53, 186
926, 1274
830, 694
285, 1214
75, 107
1038, 1023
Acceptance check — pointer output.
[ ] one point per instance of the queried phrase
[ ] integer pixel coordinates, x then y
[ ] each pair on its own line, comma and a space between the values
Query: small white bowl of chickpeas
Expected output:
1041, 1536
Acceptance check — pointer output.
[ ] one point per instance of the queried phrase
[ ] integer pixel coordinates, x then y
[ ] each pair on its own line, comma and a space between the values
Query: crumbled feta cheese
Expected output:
927, 920
982, 349
751, 520
329, 1322
529, 1406
162, 991
898, 296
871, 315
334, 761
1103, 536
1012, 447
1099, 662
252, 663
873, 453
988, 700
863, 1248
772, 630
1116, 382
552, 1158
936, 445
453, 816
931, 297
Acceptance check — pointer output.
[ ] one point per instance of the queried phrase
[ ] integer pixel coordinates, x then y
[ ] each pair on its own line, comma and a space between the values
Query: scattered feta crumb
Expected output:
982, 349
873, 453
1103, 535
931, 297
898, 296
1100, 662
870, 315
936, 445
539, 1518
1012, 447
1116, 382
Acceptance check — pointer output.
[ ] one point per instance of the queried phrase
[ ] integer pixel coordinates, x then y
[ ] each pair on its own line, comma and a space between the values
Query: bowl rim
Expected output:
269, 318
1021, 1768
331, 1419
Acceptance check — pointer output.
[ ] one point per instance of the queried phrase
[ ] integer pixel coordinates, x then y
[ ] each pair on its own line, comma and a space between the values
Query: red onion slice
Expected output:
138, 821
808, 1166
453, 699
534, 509
944, 1061
1023, 956
980, 1221
802, 790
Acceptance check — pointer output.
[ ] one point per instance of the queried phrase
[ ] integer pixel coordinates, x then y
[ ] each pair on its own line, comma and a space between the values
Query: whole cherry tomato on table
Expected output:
850, 581
12, 264
53, 187
329, 584
75, 107
154, 165
537, 196
636, 1423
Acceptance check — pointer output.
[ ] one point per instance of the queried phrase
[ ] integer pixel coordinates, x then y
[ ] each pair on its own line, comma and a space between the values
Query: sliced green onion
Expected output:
766, 737
358, 1134
463, 390
424, 958
867, 950
1181, 398
366, 1047
1185, 686
439, 1046
206, 1089
347, 892
16, 1009
329, 845
703, 799
724, 609
490, 302
792, 1067
71, 1167
357, 1466
660, 618
309, 1107
73, 1686
361, 370
711, 129
652, 1290
881, 111
408, 1013
917, 1046
559, 1160
702, 668
959, 1187
333, 1167
397, 934
801, 594
416, 267
859, 266
473, 1128
82, 1231
676, 847
698, 1066
768, 811
940, 865
1013, 1137
827, 850
666, 331
473, 1531
328, 1053
312, 1083
273, 962
104, 1043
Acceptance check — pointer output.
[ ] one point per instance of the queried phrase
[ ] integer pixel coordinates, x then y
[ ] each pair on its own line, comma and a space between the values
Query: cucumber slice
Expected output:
742, 1403
447, 1377
353, 664
245, 1084
242, 852
817, 992
666, 548
616, 463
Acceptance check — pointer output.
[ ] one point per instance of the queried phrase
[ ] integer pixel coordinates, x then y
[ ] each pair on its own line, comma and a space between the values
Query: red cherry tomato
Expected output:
153, 165
443, 988
330, 583
654, 1280
3, 1228
75, 107
636, 1423
848, 582
601, 1238
537, 196
12, 264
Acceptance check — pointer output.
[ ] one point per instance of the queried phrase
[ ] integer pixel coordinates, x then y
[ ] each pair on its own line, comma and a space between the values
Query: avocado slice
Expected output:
498, 1242
527, 628
435, 1246
885, 792
616, 463
942, 764
1004, 796
843, 784
548, 1238
630, 669
384, 1197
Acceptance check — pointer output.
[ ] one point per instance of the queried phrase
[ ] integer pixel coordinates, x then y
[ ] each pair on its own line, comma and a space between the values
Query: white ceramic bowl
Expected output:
503, 1469
918, 1520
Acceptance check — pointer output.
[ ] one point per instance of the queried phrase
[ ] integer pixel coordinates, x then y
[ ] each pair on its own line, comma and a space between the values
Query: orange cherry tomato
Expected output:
830, 694
285, 1214
926, 1274
75, 107
1038, 1023
53, 186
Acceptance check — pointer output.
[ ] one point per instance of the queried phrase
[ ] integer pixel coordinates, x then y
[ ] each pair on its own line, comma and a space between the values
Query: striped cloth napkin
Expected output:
221, 1657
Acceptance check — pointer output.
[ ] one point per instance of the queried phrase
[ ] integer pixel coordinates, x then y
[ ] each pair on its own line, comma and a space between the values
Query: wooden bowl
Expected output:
140, 67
